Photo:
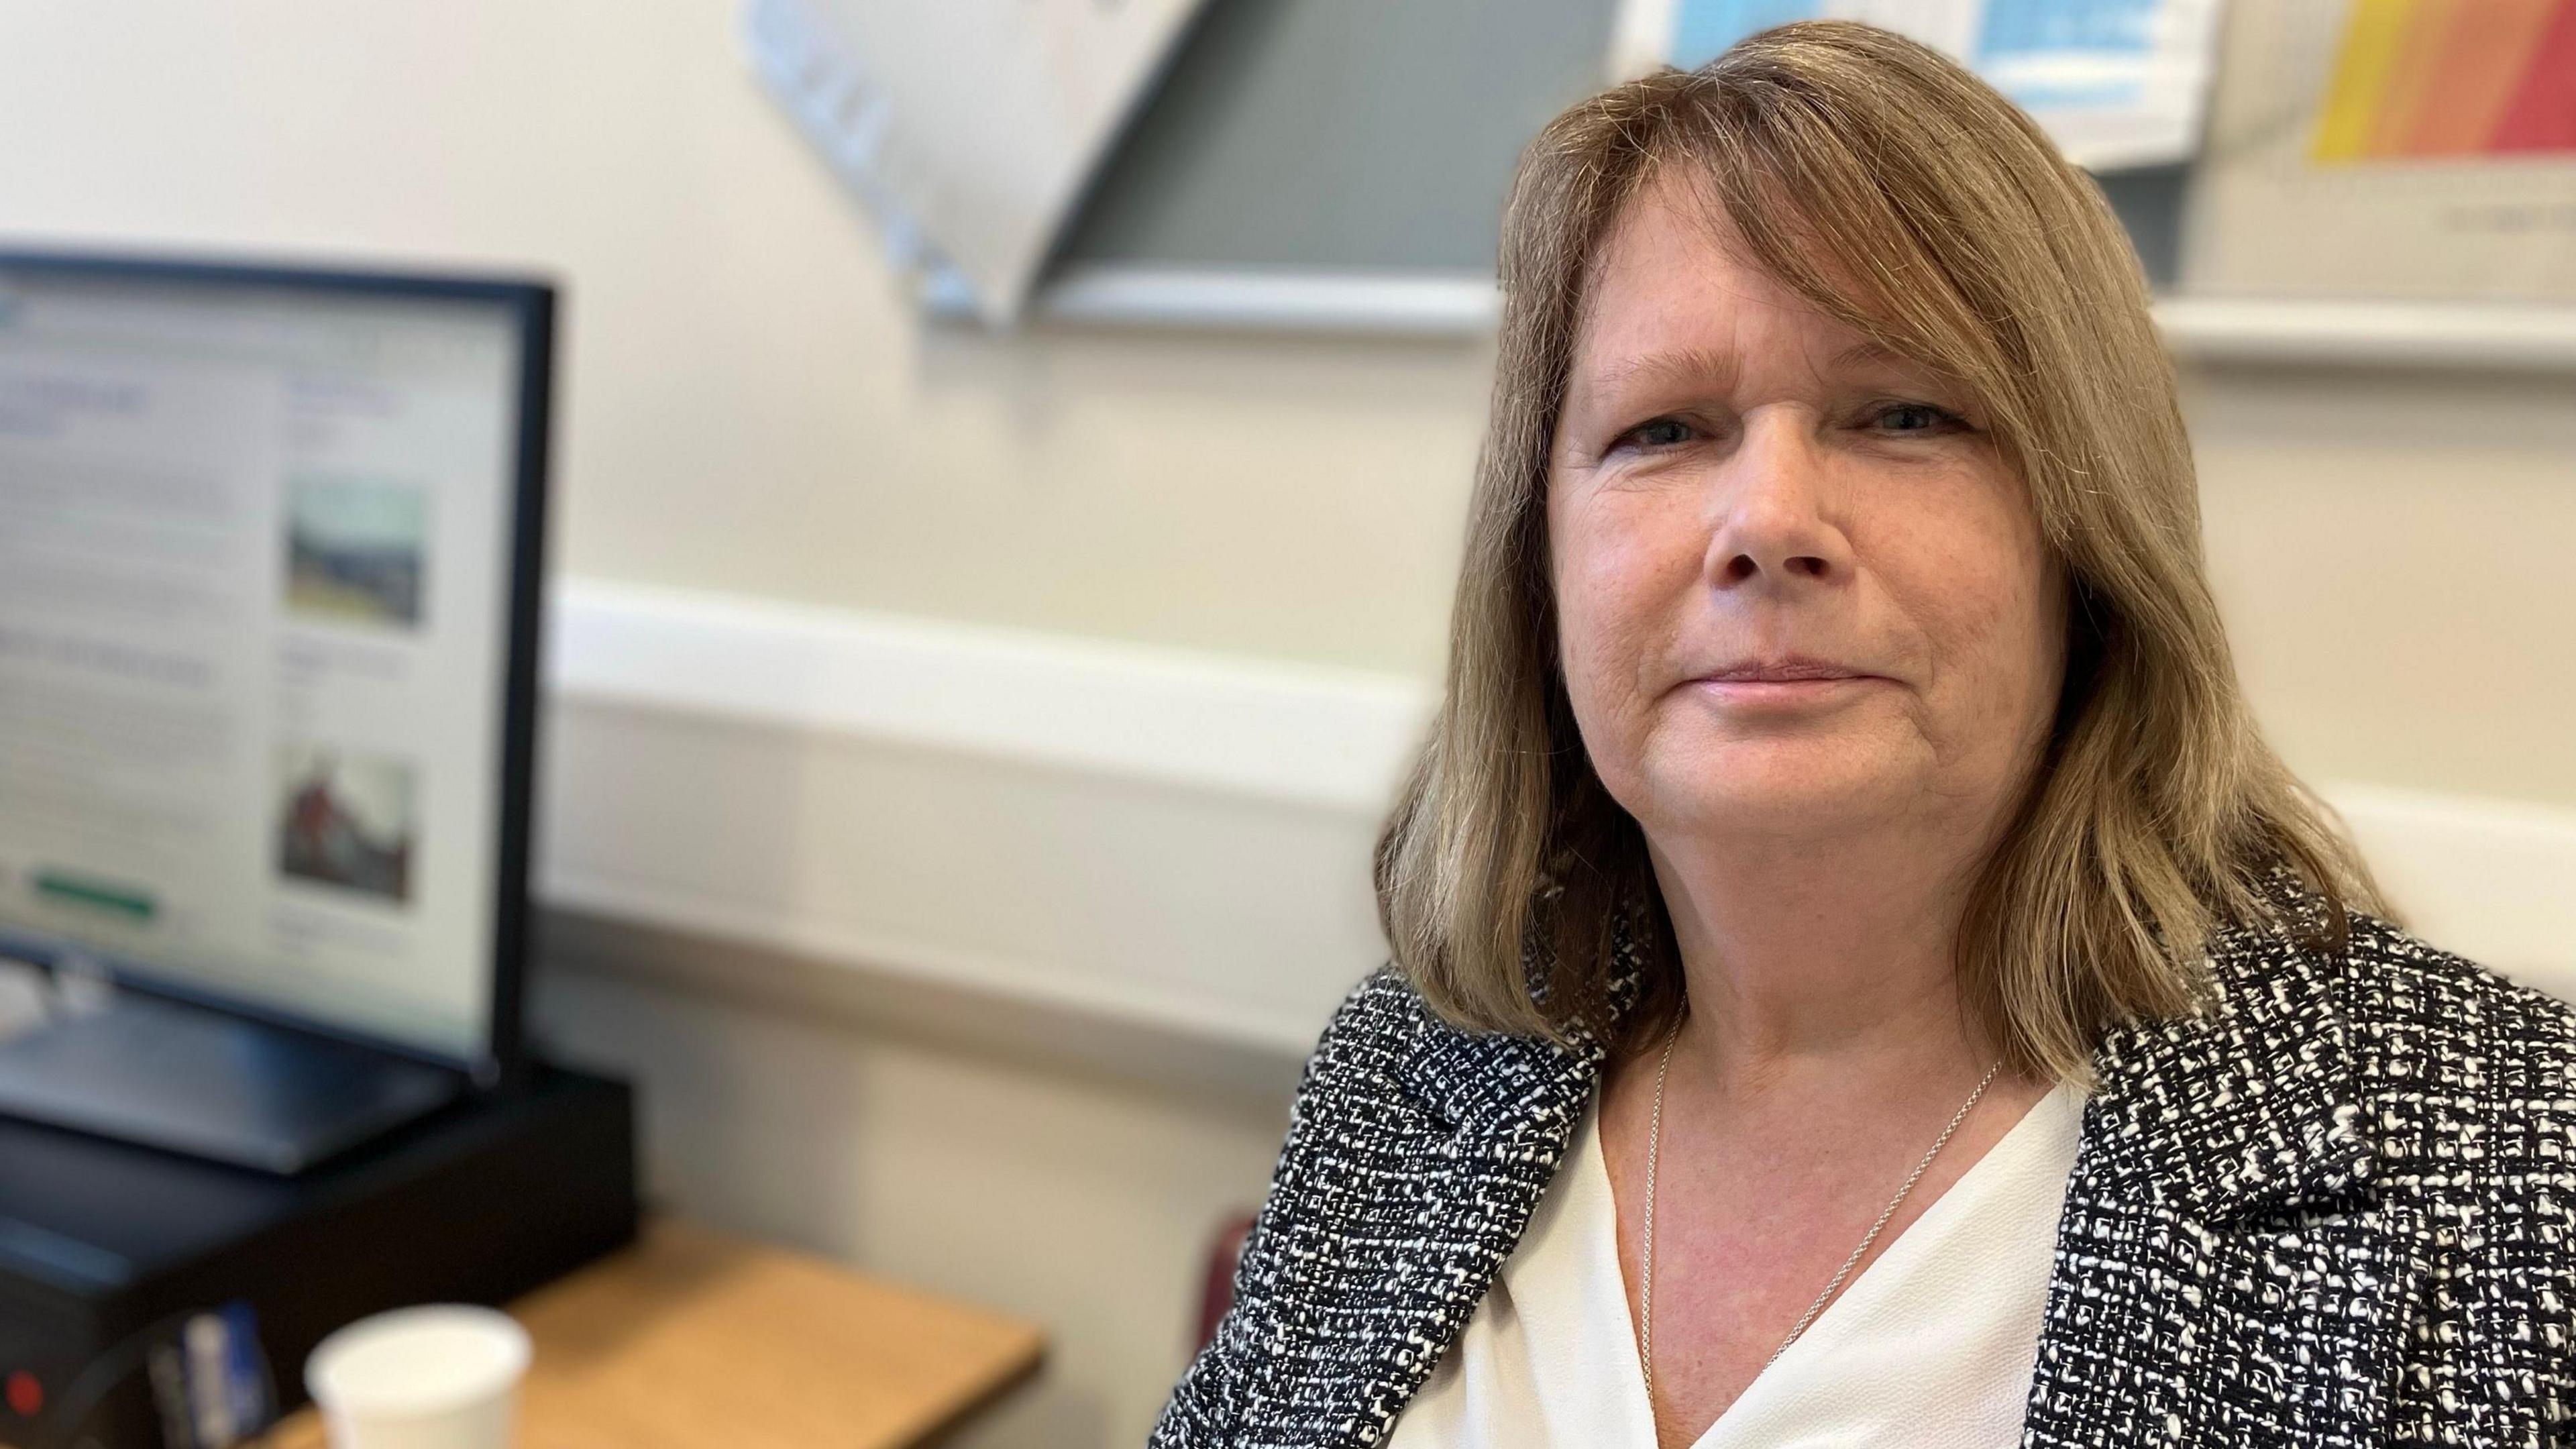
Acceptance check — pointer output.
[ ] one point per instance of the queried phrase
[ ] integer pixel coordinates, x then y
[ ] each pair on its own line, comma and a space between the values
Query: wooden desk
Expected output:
691, 1339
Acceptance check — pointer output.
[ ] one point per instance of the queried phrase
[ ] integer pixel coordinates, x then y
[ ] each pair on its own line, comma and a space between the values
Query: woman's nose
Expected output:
1769, 521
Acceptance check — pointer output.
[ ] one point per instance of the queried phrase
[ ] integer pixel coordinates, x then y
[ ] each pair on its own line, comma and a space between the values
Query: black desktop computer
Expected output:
270, 573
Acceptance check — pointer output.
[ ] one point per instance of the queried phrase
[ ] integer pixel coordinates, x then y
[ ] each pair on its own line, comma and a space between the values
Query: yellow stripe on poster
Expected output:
2373, 36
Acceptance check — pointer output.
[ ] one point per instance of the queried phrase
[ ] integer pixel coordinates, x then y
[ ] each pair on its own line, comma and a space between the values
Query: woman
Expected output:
1859, 976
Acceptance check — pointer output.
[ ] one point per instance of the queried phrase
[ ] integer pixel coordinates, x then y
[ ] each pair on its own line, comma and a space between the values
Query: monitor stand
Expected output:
212, 1085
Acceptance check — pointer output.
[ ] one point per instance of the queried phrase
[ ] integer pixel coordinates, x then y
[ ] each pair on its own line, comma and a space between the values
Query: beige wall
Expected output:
750, 407
2397, 557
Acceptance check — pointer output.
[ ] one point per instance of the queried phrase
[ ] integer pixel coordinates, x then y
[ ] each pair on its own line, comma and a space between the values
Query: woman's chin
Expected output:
1772, 790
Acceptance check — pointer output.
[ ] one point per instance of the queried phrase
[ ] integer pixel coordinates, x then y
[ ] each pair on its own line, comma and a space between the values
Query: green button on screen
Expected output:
133, 903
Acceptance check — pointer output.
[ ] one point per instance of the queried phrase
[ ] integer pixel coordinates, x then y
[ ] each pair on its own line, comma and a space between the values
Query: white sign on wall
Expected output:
968, 127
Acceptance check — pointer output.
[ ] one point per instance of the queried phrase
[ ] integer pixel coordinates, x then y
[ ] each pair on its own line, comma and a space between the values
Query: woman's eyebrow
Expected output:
1688, 366
1870, 353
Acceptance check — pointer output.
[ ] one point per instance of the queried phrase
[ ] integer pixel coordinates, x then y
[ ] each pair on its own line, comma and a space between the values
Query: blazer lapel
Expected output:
2228, 1271
1495, 1115
1491, 1117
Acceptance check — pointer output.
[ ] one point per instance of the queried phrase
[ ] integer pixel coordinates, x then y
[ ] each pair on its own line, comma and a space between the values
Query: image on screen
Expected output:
346, 821
353, 549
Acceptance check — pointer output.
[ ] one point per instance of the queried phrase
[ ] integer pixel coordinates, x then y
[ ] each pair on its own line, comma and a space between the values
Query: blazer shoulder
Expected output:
2470, 1077
1380, 1026
2441, 1011
1415, 1153
1383, 1010
1357, 1059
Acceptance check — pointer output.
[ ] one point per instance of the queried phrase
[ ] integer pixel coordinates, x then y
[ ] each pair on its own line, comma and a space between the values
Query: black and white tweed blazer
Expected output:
2337, 1208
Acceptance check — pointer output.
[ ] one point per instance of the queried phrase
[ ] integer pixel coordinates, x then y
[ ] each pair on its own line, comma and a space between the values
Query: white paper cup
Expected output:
440, 1377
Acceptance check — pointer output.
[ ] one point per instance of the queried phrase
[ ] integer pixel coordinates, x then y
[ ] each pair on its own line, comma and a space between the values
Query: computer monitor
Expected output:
270, 550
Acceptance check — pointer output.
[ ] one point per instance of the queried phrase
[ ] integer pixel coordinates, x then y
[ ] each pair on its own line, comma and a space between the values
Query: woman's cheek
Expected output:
1595, 670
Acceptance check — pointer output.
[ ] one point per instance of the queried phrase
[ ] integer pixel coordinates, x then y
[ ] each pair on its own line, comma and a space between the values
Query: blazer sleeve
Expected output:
1207, 1407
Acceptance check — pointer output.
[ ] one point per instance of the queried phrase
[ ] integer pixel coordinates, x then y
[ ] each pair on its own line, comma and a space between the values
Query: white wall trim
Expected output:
2267, 331
1159, 839
2285, 332
1297, 734
912, 963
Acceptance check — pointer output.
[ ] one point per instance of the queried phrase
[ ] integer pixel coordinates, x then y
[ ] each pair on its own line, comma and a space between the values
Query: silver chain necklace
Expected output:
1654, 1150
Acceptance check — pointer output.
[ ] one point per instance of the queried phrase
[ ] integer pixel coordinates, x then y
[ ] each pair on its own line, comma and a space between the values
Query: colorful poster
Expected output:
968, 128
2396, 149
2416, 78
2117, 83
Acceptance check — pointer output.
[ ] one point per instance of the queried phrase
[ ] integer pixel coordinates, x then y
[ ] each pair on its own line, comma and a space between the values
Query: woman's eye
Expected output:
1914, 418
1660, 433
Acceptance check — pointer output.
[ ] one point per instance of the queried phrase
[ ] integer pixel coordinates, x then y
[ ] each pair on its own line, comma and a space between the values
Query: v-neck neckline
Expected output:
2059, 1112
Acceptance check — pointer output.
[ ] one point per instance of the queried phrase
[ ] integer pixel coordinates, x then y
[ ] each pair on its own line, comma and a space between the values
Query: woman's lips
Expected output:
1781, 671
1782, 682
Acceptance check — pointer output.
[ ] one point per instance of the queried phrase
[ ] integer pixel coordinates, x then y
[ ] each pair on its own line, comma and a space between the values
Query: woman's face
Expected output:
1798, 591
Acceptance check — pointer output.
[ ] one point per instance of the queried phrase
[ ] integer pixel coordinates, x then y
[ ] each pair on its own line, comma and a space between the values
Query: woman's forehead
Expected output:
1675, 289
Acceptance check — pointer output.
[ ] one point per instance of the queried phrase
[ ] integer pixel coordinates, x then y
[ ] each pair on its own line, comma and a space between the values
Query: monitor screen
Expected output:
267, 564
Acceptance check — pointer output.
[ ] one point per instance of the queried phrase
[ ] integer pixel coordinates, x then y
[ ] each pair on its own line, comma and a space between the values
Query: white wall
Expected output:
750, 409
2392, 552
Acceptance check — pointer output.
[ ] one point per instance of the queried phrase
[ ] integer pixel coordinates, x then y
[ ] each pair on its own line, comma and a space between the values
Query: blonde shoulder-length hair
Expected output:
1904, 197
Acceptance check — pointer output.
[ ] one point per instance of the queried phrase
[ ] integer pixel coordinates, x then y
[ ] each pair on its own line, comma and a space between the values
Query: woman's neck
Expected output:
1820, 958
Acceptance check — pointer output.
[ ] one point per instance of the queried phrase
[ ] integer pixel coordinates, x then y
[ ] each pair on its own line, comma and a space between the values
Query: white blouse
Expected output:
1932, 1345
